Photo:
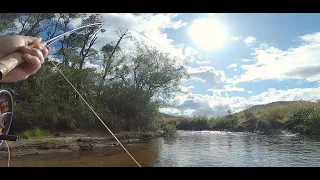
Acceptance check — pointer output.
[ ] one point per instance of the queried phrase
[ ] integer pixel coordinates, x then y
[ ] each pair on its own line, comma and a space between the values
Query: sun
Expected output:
207, 33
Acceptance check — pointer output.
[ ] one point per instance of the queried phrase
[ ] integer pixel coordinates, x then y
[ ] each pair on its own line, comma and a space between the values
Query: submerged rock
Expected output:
86, 147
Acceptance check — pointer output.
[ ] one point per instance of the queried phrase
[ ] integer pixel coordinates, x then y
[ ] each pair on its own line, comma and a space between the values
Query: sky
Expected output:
235, 60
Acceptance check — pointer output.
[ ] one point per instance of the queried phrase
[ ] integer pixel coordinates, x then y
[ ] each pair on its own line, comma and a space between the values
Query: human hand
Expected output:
33, 54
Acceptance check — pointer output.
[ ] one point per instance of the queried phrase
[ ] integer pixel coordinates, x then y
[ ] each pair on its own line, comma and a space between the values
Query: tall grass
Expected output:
34, 133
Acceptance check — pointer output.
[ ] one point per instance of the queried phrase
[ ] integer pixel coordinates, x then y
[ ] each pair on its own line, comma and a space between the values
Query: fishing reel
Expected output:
6, 116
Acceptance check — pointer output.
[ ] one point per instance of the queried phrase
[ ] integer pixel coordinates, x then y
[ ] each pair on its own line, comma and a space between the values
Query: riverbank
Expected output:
271, 119
63, 143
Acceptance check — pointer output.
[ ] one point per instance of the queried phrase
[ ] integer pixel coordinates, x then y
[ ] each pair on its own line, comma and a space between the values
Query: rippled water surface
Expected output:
205, 148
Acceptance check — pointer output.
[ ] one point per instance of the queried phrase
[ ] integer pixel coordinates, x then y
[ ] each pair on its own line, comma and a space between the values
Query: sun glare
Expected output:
207, 33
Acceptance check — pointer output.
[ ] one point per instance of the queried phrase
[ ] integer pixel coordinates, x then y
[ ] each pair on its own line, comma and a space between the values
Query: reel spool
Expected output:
6, 116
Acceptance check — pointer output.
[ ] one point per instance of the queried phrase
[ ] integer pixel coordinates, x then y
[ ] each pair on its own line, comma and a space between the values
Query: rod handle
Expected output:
9, 62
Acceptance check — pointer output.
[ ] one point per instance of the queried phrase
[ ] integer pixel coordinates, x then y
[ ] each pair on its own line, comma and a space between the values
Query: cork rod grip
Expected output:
9, 62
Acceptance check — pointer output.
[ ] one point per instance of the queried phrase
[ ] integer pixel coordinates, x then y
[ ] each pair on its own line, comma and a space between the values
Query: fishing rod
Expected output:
13, 60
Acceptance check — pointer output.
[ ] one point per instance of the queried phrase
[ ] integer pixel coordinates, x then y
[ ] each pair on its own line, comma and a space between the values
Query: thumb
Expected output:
29, 40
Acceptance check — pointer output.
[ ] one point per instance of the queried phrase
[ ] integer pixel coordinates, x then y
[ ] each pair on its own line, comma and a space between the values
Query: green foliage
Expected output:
219, 123
204, 123
123, 89
34, 133
197, 124
305, 118
169, 129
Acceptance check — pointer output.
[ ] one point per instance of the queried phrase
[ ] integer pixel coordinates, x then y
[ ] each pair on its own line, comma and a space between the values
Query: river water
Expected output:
196, 148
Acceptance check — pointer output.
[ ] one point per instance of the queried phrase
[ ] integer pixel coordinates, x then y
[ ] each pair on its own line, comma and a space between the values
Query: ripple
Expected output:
220, 148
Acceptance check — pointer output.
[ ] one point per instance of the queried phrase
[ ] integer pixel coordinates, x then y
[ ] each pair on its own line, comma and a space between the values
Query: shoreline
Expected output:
79, 142
71, 142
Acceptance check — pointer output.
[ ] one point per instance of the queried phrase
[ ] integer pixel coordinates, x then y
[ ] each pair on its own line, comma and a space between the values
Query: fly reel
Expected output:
6, 116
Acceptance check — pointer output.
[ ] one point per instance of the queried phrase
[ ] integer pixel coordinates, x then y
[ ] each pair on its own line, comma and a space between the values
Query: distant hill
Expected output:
261, 106
168, 118
253, 108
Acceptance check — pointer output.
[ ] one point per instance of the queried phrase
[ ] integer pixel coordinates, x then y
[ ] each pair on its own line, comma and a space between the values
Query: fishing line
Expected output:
95, 114
9, 154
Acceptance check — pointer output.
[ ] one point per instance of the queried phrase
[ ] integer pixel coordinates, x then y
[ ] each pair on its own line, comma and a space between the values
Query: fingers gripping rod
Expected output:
13, 60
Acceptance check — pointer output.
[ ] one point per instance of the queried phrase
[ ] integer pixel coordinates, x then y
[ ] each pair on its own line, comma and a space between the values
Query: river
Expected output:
195, 148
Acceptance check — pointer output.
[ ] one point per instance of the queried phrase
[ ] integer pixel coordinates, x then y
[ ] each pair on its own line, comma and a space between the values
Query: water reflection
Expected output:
206, 148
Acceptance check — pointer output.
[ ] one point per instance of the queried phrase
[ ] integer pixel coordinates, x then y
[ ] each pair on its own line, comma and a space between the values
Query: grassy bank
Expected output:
34, 133
169, 130
297, 117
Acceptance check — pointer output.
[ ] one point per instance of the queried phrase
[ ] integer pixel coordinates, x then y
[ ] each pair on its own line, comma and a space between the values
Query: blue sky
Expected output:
263, 58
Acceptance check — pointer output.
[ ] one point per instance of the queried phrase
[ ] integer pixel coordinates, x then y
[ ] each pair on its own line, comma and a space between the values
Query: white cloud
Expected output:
296, 94
91, 65
300, 62
311, 38
190, 104
246, 60
232, 66
187, 89
250, 92
207, 74
172, 111
151, 25
191, 54
249, 40
236, 38
225, 88
202, 62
